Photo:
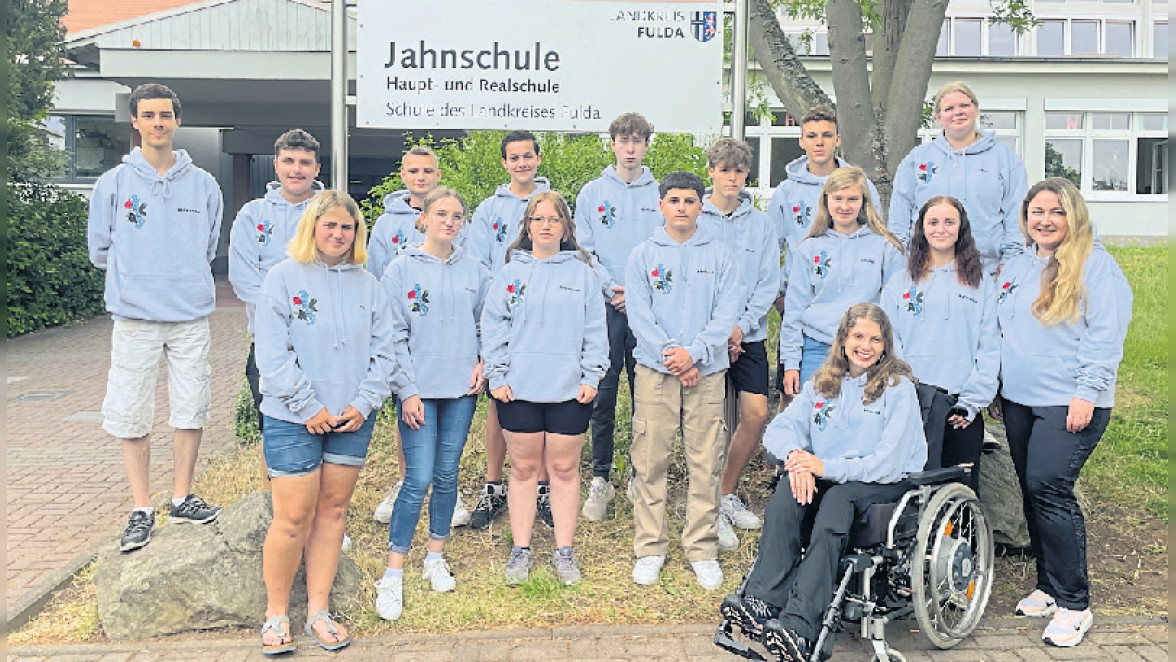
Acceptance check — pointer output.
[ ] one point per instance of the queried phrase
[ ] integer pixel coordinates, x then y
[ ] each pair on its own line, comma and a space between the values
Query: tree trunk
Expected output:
783, 70
851, 83
912, 72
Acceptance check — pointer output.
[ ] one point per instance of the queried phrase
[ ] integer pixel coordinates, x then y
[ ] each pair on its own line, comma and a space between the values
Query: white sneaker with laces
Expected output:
708, 573
383, 513
646, 569
1037, 604
732, 506
461, 516
1068, 627
600, 494
728, 540
390, 598
438, 573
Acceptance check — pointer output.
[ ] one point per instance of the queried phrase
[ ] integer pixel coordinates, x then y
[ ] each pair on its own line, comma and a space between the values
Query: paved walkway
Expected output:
66, 488
1122, 639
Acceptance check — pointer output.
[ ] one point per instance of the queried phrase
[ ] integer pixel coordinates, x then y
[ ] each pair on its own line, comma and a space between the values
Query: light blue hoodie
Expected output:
436, 308
1047, 366
496, 223
395, 230
612, 217
794, 206
988, 177
155, 235
750, 235
682, 295
543, 329
831, 273
262, 230
947, 332
324, 340
881, 442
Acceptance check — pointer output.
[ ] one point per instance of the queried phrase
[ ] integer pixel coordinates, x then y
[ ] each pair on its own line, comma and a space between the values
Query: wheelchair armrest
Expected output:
937, 476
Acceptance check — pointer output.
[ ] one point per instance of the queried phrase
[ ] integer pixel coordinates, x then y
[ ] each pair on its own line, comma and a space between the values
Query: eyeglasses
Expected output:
549, 220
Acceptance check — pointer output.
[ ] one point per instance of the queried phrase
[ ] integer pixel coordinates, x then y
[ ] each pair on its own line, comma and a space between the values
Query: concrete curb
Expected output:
37, 598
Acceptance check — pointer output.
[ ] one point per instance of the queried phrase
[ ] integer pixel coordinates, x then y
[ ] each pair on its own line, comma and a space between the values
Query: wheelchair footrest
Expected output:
937, 476
724, 640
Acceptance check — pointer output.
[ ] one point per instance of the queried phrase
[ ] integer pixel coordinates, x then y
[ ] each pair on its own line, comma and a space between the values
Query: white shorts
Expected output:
135, 348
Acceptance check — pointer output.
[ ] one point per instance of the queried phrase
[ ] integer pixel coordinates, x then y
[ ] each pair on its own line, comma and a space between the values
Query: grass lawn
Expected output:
1129, 470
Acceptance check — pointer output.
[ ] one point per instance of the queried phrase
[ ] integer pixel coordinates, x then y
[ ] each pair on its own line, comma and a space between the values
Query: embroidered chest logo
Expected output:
399, 241
821, 413
136, 211
926, 171
608, 214
515, 293
802, 214
662, 278
1006, 290
822, 263
307, 307
418, 300
499, 230
912, 301
265, 230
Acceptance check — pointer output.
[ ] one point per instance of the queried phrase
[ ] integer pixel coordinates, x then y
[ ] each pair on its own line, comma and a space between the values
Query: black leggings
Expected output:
963, 446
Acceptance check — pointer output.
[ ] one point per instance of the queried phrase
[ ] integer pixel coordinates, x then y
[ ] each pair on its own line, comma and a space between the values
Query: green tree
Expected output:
1055, 166
36, 59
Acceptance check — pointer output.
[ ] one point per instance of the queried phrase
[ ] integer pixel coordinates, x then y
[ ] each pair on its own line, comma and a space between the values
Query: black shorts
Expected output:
568, 417
750, 373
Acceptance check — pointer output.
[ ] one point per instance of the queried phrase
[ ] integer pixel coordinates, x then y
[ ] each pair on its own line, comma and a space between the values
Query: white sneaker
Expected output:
438, 573
631, 488
1067, 627
383, 513
600, 494
461, 516
390, 598
728, 541
346, 546
732, 506
1038, 603
708, 573
646, 569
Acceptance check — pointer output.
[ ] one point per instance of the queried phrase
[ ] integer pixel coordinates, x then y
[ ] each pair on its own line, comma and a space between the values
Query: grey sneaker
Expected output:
708, 573
732, 506
491, 502
728, 541
138, 531
193, 510
600, 494
543, 506
461, 516
567, 568
646, 569
1037, 604
518, 566
383, 513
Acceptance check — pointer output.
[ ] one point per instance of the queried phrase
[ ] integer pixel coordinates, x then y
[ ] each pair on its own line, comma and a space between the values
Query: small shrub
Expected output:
245, 426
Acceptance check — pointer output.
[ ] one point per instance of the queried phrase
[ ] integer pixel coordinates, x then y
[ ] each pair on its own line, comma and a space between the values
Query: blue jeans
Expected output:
290, 450
431, 456
812, 357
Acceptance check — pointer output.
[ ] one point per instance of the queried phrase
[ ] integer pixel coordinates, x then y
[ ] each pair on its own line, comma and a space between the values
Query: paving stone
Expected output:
1151, 653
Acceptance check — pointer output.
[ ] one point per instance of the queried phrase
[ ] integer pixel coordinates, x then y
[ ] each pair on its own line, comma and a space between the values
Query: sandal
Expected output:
274, 624
324, 615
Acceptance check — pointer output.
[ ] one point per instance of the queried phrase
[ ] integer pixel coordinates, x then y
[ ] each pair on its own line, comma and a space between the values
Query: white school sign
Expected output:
543, 65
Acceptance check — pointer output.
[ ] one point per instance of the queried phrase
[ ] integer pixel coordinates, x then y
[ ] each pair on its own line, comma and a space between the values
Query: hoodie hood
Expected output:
495, 224
645, 179
798, 171
394, 232
273, 194
160, 184
984, 143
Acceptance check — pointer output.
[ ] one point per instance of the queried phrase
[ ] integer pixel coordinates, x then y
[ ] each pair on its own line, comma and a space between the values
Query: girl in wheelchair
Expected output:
848, 441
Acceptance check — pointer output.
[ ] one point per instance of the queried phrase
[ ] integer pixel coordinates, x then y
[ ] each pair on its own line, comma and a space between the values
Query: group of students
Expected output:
670, 282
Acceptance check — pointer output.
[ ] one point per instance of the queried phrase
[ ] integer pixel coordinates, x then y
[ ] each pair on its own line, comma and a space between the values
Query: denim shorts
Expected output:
291, 450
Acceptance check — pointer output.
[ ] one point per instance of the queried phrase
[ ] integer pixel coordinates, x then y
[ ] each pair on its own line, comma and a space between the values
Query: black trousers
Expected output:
1048, 460
963, 446
621, 344
801, 585
253, 376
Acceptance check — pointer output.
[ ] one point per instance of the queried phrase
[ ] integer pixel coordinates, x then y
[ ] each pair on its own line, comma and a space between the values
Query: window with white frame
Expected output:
93, 144
974, 36
808, 41
1160, 40
1085, 36
1108, 154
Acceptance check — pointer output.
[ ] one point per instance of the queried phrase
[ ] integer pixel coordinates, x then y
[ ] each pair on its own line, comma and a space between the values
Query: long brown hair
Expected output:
566, 243
841, 179
886, 372
1062, 280
969, 269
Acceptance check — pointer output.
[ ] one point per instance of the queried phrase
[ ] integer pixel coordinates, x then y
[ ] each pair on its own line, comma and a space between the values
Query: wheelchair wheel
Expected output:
952, 567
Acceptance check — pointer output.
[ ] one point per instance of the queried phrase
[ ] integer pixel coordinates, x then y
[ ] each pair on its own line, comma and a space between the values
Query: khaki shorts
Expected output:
135, 349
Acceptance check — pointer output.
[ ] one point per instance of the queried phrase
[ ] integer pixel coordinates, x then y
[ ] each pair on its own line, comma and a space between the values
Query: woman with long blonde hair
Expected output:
846, 259
1064, 308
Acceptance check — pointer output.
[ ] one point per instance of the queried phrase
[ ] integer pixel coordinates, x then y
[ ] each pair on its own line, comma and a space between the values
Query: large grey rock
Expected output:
1000, 491
195, 577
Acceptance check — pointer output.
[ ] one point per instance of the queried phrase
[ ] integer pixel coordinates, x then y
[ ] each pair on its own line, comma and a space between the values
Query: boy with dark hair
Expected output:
794, 203
682, 301
494, 227
154, 224
614, 213
731, 216
265, 226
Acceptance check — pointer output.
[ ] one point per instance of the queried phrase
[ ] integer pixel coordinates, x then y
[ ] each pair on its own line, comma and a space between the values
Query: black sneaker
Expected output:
193, 510
491, 502
749, 613
543, 506
785, 644
138, 531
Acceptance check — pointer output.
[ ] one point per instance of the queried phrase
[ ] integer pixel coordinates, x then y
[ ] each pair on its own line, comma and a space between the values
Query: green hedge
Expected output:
50, 278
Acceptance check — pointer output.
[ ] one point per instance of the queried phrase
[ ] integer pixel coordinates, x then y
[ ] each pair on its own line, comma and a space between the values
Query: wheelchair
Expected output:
931, 553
